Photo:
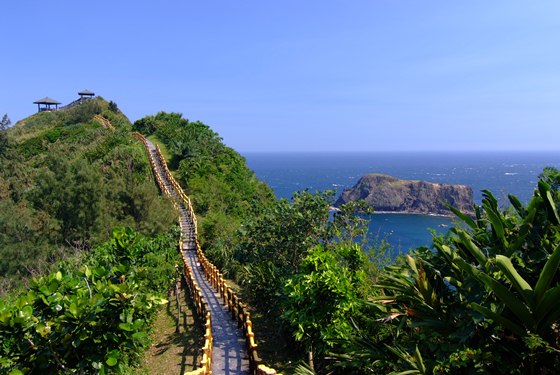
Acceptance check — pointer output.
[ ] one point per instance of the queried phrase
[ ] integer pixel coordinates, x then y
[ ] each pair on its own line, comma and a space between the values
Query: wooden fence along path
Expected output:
104, 122
229, 346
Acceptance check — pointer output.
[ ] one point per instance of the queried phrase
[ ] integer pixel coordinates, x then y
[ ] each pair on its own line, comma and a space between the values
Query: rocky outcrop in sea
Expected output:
390, 194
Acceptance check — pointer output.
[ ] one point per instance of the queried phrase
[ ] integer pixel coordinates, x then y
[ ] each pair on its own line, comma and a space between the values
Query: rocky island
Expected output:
390, 194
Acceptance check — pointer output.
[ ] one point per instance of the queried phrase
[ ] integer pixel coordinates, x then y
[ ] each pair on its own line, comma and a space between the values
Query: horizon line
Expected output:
396, 151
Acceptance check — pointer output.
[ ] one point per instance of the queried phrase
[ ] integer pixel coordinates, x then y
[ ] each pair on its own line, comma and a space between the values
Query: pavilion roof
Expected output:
46, 100
85, 92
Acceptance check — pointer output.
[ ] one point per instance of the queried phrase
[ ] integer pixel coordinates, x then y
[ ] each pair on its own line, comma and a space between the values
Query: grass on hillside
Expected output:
174, 352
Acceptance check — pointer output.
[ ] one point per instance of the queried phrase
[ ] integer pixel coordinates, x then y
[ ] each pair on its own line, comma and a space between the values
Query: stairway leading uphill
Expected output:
229, 355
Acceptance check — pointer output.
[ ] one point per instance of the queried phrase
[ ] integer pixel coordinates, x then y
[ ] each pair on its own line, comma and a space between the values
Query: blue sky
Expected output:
301, 75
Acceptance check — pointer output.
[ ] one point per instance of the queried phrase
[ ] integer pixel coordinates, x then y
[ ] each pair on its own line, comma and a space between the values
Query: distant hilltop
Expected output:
390, 194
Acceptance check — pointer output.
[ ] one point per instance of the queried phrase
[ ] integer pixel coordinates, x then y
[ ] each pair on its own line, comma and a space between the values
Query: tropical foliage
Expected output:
485, 300
91, 319
306, 268
482, 300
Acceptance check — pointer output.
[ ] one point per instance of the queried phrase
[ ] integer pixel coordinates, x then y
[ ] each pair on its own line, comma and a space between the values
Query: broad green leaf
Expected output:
113, 357
489, 199
516, 203
544, 190
43, 329
496, 221
53, 286
509, 299
419, 360
522, 286
111, 361
547, 274
73, 309
472, 248
126, 327
412, 263
514, 327
547, 310
5, 316
466, 218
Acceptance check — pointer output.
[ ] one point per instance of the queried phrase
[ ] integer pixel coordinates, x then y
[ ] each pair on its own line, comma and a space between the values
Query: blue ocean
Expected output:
502, 173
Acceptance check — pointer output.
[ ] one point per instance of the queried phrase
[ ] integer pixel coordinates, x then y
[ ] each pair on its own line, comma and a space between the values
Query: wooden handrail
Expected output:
104, 122
237, 308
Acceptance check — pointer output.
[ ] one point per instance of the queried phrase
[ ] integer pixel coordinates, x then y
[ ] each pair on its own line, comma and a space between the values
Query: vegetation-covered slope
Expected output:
65, 182
482, 300
223, 190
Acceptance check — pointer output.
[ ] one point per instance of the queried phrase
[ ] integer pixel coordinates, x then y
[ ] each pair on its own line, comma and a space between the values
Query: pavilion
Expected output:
46, 104
86, 94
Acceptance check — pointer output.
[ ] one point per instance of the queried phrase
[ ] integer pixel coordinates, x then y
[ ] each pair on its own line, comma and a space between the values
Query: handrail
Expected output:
203, 310
196, 293
237, 308
104, 122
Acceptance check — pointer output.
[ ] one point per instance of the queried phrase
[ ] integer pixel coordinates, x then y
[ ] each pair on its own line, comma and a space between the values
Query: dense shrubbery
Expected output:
93, 318
64, 185
483, 300
274, 249
223, 190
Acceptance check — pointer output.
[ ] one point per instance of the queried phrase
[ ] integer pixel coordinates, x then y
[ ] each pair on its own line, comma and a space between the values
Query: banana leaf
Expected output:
517, 306
547, 274
544, 190
519, 283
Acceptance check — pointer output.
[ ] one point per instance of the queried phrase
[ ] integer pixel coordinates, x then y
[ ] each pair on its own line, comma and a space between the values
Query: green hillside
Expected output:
65, 182
482, 299
81, 213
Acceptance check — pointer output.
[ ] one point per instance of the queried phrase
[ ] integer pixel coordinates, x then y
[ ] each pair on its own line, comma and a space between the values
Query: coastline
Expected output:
450, 215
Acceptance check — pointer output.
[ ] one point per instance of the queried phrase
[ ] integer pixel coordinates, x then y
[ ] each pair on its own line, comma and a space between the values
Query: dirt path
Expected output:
174, 352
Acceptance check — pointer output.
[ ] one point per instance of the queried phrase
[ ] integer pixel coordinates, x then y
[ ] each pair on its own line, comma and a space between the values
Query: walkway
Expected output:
229, 353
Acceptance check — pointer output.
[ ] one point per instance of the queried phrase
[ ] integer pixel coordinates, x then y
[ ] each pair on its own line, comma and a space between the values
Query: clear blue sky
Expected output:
301, 75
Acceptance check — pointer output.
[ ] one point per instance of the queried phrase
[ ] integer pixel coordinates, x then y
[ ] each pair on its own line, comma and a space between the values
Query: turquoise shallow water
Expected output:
502, 173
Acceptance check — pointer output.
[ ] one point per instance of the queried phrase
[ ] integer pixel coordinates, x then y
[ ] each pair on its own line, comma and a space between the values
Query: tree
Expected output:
324, 295
113, 106
4, 124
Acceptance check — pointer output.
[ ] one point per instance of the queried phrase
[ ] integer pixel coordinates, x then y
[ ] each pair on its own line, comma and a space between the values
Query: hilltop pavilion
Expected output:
46, 104
86, 94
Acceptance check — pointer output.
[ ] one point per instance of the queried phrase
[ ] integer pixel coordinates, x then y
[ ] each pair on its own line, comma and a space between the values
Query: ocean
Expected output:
502, 173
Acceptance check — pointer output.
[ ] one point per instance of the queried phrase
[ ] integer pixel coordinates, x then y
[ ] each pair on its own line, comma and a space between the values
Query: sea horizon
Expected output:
394, 151
502, 173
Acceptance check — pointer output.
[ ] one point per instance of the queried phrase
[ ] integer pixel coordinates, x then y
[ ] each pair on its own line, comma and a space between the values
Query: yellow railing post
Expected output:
214, 276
